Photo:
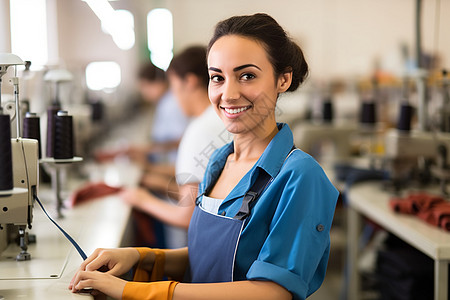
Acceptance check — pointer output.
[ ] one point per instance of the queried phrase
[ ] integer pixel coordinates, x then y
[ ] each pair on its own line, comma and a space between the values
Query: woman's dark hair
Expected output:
284, 54
150, 72
191, 60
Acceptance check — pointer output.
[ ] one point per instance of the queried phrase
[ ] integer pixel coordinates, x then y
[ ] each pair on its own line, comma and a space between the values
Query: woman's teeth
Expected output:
236, 110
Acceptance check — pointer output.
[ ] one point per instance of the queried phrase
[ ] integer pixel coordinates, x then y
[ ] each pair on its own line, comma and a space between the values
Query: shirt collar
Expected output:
276, 152
270, 161
217, 165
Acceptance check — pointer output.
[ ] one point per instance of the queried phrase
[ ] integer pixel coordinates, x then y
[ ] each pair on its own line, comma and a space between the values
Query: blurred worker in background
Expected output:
169, 122
188, 77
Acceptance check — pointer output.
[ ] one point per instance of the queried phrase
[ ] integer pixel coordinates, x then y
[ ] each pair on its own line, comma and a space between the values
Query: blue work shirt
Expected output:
286, 237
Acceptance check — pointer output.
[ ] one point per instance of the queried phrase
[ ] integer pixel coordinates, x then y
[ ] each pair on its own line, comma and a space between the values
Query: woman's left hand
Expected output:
136, 197
98, 281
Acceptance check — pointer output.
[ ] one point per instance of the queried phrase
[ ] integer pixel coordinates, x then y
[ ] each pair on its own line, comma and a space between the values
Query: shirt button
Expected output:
223, 213
320, 227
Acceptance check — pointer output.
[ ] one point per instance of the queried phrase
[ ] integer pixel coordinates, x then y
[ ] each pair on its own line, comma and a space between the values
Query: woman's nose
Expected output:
230, 91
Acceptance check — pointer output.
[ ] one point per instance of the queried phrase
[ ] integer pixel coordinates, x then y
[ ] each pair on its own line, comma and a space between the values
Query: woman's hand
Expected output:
136, 197
117, 261
98, 281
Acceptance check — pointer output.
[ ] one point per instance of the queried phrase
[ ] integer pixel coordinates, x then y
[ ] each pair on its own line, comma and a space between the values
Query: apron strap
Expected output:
262, 181
251, 195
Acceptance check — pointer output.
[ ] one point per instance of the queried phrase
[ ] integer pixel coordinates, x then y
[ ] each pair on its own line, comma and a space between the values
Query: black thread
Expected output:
51, 114
368, 113
32, 129
404, 120
97, 111
63, 136
327, 111
6, 171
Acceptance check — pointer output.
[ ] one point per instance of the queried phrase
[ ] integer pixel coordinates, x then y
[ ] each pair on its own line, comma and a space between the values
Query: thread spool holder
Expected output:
56, 166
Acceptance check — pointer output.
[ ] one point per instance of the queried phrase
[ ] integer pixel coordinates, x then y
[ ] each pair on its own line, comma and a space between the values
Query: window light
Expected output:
103, 75
160, 37
29, 30
118, 23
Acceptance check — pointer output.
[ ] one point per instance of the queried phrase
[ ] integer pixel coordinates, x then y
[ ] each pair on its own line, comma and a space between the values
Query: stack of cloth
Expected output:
91, 191
433, 209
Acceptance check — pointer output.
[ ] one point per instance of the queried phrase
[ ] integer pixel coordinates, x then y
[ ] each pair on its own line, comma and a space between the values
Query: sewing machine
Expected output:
407, 150
310, 137
17, 203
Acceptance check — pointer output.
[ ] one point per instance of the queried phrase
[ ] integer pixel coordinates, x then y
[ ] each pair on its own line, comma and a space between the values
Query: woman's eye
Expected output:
216, 78
247, 76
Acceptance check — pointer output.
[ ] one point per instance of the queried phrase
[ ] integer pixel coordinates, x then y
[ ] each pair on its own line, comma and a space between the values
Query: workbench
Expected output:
369, 200
100, 223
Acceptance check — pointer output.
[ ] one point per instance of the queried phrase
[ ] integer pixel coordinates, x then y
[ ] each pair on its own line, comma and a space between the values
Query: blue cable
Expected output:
83, 255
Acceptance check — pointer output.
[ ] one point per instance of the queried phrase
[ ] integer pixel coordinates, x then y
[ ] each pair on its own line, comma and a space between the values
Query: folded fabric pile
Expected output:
92, 190
433, 209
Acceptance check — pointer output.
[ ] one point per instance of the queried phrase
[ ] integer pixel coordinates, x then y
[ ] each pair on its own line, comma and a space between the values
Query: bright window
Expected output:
29, 30
121, 28
160, 37
118, 23
103, 75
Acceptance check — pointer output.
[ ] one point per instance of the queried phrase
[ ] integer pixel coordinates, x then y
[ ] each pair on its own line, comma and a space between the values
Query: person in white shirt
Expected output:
188, 77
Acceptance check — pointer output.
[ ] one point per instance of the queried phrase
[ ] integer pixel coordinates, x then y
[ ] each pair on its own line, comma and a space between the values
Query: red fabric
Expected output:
433, 209
92, 191
414, 203
437, 215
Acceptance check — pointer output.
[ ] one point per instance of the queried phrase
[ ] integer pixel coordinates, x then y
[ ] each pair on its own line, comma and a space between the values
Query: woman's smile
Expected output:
235, 111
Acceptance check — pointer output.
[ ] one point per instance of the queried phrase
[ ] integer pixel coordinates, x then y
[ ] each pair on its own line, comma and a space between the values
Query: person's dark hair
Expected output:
284, 54
150, 72
191, 60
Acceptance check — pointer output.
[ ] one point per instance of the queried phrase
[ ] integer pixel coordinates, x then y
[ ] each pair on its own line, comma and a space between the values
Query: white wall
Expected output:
5, 40
339, 37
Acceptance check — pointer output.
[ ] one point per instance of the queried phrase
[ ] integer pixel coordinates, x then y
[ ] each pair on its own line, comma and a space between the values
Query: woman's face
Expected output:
152, 91
179, 89
242, 87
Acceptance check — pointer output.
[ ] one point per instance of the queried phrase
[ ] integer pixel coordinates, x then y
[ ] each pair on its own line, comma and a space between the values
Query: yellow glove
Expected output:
157, 272
160, 290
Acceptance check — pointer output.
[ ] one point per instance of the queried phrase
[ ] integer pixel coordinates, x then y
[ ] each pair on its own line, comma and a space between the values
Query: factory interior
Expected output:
84, 142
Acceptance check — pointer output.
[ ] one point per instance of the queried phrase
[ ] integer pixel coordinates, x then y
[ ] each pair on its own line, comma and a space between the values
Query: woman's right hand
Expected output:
117, 261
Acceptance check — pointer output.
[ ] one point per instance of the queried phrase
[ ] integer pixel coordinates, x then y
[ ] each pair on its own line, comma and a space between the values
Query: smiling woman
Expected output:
261, 223
250, 64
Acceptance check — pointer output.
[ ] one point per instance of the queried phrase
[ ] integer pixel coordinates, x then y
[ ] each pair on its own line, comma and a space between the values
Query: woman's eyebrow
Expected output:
215, 69
235, 69
245, 66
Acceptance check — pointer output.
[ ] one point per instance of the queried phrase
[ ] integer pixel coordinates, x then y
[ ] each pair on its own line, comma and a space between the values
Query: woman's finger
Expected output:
75, 280
86, 280
83, 265
97, 263
101, 282
90, 258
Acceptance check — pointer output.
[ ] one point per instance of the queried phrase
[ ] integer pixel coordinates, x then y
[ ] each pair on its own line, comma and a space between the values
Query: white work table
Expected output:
369, 200
97, 223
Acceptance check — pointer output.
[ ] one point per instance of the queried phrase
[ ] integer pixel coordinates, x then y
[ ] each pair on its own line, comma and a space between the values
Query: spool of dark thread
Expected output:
404, 120
368, 113
6, 170
32, 129
51, 114
97, 111
63, 136
327, 111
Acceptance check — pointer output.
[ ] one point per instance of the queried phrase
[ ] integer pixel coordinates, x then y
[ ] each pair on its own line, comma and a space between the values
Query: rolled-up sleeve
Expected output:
296, 250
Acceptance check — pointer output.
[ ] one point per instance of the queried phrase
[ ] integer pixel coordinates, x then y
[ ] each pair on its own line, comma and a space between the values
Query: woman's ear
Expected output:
284, 82
191, 80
